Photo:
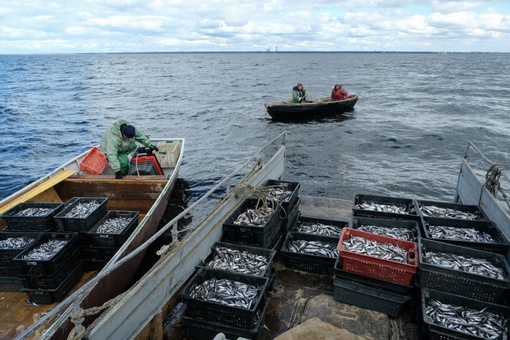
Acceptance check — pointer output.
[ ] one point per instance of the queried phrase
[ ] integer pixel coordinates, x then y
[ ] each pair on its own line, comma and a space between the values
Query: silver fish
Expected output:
398, 233
254, 217
227, 292
387, 208
34, 212
113, 225
16, 242
319, 229
316, 248
240, 261
83, 209
386, 251
435, 211
46, 250
460, 234
464, 263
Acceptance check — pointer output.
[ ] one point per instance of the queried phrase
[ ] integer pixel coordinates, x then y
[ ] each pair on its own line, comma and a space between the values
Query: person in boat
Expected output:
339, 93
299, 94
118, 142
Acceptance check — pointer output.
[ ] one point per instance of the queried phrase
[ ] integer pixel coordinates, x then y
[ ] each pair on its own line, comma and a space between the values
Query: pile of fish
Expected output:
46, 250
34, 212
279, 194
113, 225
239, 261
387, 208
316, 248
479, 323
434, 211
398, 233
385, 251
254, 217
460, 234
16, 242
465, 263
83, 209
226, 292
319, 229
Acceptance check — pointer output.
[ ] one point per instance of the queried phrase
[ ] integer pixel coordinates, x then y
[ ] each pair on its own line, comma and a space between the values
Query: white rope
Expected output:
492, 181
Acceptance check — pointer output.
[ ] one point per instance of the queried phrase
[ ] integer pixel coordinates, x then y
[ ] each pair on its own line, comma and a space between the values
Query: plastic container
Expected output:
145, 165
461, 208
306, 262
290, 218
359, 295
7, 254
254, 235
57, 261
437, 331
292, 187
218, 313
406, 205
94, 161
98, 253
392, 271
458, 282
203, 330
49, 296
10, 270
27, 223
168, 153
311, 220
269, 254
114, 239
414, 226
50, 281
10, 284
81, 223
500, 245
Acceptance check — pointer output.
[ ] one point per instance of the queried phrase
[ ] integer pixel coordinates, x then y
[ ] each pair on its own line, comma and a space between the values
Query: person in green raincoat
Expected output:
118, 142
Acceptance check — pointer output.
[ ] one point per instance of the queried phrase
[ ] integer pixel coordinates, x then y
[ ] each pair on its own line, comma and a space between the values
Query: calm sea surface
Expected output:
406, 137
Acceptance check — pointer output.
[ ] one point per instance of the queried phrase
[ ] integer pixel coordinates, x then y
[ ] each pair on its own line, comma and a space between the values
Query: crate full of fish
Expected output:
310, 253
463, 271
449, 316
371, 282
384, 207
407, 230
253, 222
32, 216
49, 253
456, 211
357, 294
285, 192
290, 218
378, 256
13, 243
49, 296
483, 235
52, 281
114, 228
319, 226
225, 297
240, 259
81, 213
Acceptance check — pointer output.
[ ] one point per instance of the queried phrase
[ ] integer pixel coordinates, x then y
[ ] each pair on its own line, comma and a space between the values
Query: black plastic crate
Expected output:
81, 224
310, 220
50, 281
474, 210
405, 205
218, 313
269, 254
98, 253
290, 218
458, 282
359, 295
57, 261
255, 235
292, 187
306, 262
7, 254
27, 223
49, 296
370, 281
437, 331
413, 226
500, 245
203, 330
114, 239
10, 284
10, 269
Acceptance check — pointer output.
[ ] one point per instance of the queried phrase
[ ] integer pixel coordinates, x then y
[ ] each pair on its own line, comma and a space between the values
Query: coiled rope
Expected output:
492, 181
264, 195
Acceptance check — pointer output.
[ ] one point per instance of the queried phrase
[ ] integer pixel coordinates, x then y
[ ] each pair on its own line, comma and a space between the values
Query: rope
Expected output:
263, 194
492, 181
78, 318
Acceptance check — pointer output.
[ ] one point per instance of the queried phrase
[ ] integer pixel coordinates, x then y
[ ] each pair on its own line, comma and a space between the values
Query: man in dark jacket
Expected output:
298, 94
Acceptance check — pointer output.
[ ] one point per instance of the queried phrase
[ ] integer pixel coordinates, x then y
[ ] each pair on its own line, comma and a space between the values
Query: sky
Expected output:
102, 26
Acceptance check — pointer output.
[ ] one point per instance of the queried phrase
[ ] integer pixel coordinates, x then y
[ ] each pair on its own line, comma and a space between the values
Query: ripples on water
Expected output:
405, 138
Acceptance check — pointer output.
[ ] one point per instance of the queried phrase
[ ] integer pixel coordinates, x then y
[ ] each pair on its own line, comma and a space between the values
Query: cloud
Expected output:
226, 25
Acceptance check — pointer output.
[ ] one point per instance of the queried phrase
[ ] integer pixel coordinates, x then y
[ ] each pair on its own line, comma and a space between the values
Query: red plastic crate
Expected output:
94, 162
392, 271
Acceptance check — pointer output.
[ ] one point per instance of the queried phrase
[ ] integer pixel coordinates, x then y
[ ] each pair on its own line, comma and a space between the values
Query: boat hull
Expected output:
315, 109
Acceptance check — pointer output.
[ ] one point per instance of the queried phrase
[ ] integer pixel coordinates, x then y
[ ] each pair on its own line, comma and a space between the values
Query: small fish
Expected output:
114, 225
386, 251
16, 242
435, 211
316, 248
460, 234
397, 233
241, 261
319, 229
34, 212
45, 251
83, 209
387, 208
226, 292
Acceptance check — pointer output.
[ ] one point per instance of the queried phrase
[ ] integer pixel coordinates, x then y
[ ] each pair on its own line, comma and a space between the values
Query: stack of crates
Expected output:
206, 314
26, 222
49, 272
451, 285
317, 232
289, 200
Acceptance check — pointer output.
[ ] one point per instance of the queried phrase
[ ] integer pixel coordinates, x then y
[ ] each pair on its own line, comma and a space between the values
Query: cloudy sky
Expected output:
75, 26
